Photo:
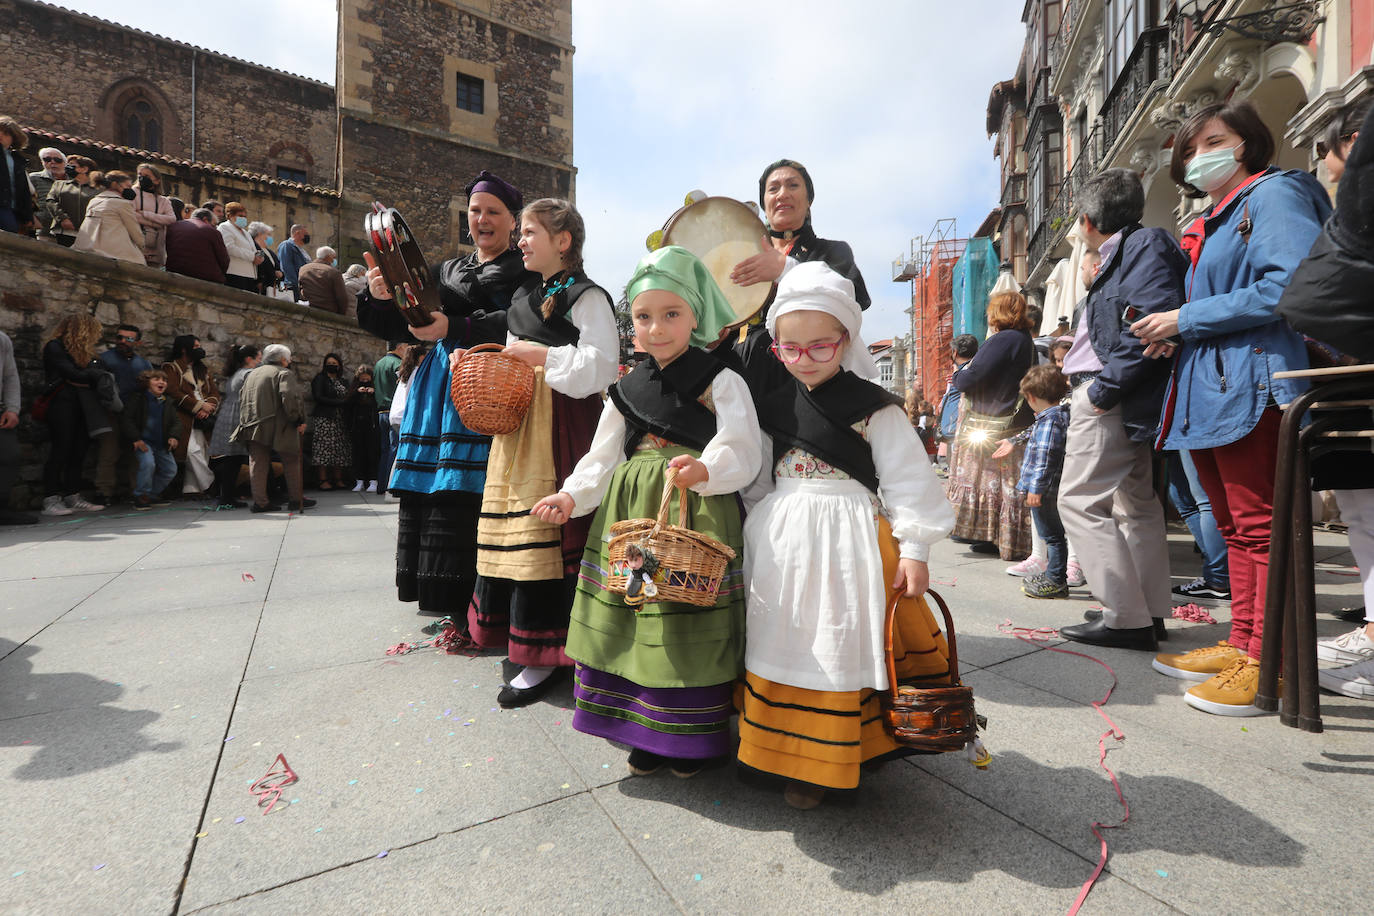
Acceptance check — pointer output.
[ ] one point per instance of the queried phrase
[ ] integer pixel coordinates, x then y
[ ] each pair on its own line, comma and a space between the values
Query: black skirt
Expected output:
436, 552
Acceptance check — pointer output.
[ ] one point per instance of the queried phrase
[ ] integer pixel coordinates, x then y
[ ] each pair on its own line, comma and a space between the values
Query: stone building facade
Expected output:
429, 92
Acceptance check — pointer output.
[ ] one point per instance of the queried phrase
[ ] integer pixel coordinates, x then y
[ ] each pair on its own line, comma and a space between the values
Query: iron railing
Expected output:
1014, 191
1149, 61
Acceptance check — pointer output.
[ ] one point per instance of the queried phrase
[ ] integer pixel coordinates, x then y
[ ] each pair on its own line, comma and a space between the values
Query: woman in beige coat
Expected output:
110, 227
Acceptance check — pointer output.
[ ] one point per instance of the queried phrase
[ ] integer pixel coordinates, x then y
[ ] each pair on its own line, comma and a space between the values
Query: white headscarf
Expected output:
814, 287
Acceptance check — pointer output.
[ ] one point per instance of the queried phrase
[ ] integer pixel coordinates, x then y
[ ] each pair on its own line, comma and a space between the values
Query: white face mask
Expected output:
1212, 169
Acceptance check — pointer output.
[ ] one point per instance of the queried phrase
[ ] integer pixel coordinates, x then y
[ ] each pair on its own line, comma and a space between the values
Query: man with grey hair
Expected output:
322, 285
1106, 495
272, 419
292, 257
54, 169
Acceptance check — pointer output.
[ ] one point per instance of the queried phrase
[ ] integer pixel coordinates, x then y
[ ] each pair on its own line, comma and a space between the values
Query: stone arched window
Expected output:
134, 112
142, 126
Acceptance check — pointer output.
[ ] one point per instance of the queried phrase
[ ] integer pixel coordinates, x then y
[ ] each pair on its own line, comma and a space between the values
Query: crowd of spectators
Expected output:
69, 201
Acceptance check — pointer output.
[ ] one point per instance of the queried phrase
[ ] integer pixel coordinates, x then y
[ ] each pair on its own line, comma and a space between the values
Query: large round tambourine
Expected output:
721, 231
407, 275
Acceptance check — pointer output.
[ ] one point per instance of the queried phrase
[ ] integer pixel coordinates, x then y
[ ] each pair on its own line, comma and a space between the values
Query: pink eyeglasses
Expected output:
822, 352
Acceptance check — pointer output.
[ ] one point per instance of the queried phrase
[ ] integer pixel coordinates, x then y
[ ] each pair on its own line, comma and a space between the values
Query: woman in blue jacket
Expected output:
1222, 404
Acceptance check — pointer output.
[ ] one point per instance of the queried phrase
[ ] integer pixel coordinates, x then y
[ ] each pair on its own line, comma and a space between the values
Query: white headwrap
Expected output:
814, 287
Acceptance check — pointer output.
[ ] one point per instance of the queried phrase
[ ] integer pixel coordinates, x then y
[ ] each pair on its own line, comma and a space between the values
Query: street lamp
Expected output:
1292, 22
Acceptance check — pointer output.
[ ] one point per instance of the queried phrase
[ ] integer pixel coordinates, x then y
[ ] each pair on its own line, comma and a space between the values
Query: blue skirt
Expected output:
437, 453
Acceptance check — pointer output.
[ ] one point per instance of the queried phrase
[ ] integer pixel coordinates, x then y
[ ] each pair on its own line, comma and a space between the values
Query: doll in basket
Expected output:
659, 676
563, 325
847, 514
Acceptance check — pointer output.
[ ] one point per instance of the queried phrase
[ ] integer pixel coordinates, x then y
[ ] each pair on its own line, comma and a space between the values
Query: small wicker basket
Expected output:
491, 390
690, 565
935, 719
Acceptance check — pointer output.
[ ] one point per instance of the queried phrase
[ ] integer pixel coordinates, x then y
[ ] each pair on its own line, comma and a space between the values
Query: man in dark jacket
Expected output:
195, 248
1114, 414
16, 197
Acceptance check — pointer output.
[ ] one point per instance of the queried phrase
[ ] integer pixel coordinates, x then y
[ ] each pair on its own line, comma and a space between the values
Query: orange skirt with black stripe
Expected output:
820, 736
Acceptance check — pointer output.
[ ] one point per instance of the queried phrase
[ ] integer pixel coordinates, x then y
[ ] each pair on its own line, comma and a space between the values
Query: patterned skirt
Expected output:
660, 677
987, 506
437, 453
330, 446
822, 736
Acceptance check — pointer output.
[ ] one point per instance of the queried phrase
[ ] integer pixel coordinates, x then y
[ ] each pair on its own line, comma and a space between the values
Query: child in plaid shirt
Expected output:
1044, 387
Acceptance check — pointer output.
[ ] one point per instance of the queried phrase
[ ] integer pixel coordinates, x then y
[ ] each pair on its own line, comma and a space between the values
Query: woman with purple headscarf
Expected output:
441, 465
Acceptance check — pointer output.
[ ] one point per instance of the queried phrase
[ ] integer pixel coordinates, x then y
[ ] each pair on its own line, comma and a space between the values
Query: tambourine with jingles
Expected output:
721, 231
407, 275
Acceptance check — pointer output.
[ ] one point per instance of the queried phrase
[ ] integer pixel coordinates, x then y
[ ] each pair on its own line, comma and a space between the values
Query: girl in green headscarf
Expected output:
658, 675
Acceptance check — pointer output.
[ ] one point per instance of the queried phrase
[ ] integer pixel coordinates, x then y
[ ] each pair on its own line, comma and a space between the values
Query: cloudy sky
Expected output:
883, 100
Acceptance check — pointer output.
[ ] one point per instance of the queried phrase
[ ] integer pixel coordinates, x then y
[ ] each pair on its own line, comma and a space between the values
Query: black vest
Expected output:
665, 401
526, 320
821, 422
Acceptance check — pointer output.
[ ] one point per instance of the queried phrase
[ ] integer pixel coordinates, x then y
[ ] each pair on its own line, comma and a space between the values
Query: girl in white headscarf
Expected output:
849, 514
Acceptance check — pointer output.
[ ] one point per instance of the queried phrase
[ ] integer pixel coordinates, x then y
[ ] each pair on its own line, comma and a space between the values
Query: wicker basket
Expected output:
690, 565
931, 719
491, 390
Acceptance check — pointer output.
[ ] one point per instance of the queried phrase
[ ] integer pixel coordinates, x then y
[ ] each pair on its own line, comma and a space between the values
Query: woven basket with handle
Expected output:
932, 719
491, 390
690, 565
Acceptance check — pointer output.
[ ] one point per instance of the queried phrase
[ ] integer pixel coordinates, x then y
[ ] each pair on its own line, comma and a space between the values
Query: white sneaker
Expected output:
1074, 576
53, 505
372, 487
77, 503
1030, 566
1349, 649
358, 487
1353, 680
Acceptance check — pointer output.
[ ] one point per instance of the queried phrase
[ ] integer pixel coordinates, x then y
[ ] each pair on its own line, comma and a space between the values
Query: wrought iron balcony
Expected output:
1149, 61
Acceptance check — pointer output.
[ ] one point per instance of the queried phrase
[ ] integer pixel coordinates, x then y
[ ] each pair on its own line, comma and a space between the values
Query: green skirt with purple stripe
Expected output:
662, 644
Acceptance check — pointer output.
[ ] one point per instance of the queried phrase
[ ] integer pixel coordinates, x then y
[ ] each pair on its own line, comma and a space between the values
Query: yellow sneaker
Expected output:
1230, 693
1199, 664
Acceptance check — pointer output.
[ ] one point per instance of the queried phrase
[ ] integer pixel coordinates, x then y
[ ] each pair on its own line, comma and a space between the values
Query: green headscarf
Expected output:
680, 272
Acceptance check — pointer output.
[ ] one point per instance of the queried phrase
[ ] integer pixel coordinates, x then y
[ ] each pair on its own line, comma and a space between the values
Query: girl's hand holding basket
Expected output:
454, 357
684, 472
529, 353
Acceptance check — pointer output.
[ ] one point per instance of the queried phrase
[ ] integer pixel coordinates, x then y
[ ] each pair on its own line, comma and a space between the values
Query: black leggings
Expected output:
67, 444
226, 468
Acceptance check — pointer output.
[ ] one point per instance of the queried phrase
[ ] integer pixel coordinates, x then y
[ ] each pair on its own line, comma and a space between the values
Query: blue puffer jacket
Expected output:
1233, 340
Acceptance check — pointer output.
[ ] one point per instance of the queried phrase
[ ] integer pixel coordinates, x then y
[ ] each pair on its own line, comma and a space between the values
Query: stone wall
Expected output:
40, 283
77, 74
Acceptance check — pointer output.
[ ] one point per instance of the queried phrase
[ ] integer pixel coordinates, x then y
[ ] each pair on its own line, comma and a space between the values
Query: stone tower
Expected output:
429, 92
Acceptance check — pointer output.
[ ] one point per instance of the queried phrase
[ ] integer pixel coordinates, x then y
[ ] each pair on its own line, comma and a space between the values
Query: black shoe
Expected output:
1161, 634
1348, 614
643, 763
984, 547
302, 505
17, 518
1201, 588
686, 769
1098, 633
270, 507
515, 697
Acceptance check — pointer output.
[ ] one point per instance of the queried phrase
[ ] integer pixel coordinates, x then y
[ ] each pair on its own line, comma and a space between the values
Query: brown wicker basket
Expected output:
690, 565
932, 719
491, 390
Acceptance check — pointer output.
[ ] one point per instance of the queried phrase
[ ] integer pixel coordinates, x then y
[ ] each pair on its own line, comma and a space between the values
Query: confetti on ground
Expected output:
565, 786
100, 866
230, 738
1244, 729
201, 834
544, 847
696, 877
949, 582
318, 829
17, 874
238, 820
353, 782
558, 723
467, 764
247, 577
1161, 872
418, 791
1194, 613
383, 853
217, 820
